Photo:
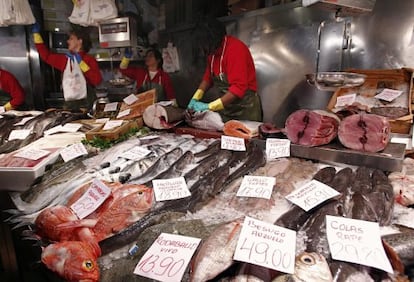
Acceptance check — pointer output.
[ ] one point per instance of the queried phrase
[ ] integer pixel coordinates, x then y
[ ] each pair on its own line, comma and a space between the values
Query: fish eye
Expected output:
307, 260
88, 265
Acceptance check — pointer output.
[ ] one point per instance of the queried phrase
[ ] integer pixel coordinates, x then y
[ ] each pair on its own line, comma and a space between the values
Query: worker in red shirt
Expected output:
151, 76
10, 85
81, 72
230, 68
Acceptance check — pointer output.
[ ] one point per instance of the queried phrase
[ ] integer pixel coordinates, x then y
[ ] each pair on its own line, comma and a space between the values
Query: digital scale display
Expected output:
111, 28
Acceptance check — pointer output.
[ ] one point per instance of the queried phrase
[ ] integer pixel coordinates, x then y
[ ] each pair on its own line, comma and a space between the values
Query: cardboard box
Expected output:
377, 80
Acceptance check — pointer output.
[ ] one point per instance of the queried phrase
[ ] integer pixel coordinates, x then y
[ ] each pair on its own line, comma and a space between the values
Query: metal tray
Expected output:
331, 81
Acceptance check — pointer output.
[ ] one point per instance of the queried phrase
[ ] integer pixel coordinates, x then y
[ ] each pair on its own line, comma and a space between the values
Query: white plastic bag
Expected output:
170, 58
73, 82
80, 13
6, 11
102, 10
16, 12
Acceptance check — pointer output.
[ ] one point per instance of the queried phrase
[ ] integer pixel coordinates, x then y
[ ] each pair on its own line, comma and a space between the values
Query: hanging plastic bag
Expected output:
6, 12
102, 10
170, 57
23, 13
80, 13
73, 82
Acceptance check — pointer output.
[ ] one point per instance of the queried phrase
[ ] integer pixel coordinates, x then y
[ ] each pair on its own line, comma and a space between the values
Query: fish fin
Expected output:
76, 224
393, 257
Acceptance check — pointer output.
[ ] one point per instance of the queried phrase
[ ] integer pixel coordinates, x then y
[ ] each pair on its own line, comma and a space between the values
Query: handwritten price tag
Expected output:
111, 107
101, 120
388, 94
23, 121
91, 199
356, 241
344, 100
170, 189
266, 245
311, 194
232, 143
32, 154
135, 153
110, 124
123, 113
73, 151
167, 258
19, 134
277, 148
131, 99
256, 186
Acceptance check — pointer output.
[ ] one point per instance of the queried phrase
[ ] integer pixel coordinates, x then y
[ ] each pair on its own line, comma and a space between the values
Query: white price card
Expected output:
170, 189
356, 241
344, 100
53, 130
167, 258
32, 154
73, 151
267, 245
71, 127
111, 107
19, 134
91, 199
277, 148
232, 143
2, 110
256, 186
131, 99
24, 120
388, 94
311, 194
135, 153
101, 120
110, 124
123, 113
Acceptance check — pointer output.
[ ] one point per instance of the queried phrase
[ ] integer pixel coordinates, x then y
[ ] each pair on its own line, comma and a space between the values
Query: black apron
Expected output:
248, 108
148, 84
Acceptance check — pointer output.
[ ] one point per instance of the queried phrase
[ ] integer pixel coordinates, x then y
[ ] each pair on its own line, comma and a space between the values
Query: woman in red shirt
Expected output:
230, 68
78, 46
10, 85
151, 76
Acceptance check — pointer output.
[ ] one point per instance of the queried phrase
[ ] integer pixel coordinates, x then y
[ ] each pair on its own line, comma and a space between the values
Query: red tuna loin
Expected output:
311, 127
364, 132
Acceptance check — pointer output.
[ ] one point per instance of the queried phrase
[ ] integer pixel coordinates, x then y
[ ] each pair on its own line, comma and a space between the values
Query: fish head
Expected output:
49, 218
72, 260
312, 267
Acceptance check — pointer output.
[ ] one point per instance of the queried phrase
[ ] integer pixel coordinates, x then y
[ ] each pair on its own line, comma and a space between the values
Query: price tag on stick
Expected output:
267, 245
356, 241
167, 258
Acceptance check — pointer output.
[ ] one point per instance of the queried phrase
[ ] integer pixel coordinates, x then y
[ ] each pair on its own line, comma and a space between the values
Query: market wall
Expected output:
288, 41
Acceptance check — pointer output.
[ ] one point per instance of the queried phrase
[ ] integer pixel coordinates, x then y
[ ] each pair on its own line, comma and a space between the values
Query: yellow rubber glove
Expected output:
216, 105
124, 63
8, 106
37, 38
198, 94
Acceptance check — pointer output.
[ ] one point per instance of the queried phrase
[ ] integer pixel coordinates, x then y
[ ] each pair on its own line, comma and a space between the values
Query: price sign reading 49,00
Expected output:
266, 245
167, 258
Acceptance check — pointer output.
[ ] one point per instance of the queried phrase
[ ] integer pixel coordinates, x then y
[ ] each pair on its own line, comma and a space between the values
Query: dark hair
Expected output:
208, 34
157, 55
83, 33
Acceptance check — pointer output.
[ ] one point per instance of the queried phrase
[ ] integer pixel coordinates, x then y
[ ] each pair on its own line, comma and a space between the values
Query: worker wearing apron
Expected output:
152, 76
230, 69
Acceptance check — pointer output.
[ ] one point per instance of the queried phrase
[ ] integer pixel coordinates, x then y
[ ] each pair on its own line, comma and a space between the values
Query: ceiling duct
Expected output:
342, 7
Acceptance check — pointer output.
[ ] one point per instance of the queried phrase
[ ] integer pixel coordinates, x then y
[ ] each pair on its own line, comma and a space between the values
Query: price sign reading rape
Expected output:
256, 186
91, 199
170, 189
311, 194
266, 245
277, 148
167, 258
232, 143
356, 241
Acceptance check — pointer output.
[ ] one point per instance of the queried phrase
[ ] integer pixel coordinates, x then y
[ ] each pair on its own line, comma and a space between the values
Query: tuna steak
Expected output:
364, 132
311, 127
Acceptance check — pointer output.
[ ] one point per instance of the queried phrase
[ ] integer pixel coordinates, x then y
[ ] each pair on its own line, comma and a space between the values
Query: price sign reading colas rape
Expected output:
266, 245
91, 199
167, 258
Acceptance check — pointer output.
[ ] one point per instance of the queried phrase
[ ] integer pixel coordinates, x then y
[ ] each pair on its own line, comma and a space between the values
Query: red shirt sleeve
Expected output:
167, 85
9, 84
93, 75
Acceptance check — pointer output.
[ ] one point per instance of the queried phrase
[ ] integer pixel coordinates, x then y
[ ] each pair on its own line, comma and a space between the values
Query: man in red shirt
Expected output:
78, 46
10, 85
230, 68
151, 76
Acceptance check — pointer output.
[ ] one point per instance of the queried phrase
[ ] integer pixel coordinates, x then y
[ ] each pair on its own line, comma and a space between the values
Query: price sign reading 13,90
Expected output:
266, 245
167, 258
